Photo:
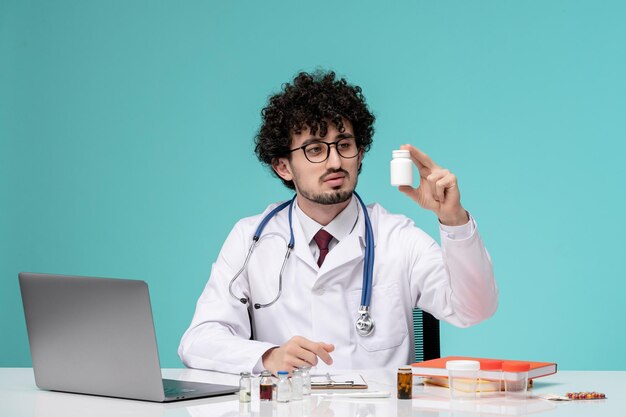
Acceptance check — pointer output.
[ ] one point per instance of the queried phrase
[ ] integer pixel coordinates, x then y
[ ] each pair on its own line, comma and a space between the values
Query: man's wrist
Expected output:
266, 357
459, 219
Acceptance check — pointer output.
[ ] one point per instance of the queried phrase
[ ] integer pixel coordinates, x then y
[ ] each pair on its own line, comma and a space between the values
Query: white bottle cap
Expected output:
401, 153
463, 365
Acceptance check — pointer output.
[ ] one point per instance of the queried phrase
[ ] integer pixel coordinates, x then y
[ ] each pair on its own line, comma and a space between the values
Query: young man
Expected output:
314, 136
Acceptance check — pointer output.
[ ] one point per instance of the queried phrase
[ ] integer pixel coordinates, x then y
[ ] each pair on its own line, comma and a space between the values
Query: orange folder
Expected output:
437, 367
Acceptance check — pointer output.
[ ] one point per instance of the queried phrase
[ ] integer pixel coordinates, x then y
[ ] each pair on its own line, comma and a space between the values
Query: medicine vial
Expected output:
296, 384
245, 387
306, 380
405, 383
266, 386
283, 387
401, 168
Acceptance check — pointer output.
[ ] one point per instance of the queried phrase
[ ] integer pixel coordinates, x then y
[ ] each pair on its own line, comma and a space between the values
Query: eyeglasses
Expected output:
318, 151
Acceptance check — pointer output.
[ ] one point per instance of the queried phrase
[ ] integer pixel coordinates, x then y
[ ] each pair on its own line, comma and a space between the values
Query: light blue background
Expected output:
126, 134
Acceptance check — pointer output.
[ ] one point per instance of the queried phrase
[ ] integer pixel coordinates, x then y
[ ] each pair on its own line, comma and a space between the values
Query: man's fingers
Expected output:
324, 356
301, 356
328, 347
419, 157
319, 349
299, 363
443, 184
406, 189
440, 190
436, 180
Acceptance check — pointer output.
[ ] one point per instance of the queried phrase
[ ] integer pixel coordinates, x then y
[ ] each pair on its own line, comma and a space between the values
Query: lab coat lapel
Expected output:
350, 248
345, 252
301, 246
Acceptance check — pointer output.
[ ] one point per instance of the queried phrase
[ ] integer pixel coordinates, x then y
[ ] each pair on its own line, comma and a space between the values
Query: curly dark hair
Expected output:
310, 101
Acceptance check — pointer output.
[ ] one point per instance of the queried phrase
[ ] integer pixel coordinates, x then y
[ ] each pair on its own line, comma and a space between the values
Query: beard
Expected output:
330, 197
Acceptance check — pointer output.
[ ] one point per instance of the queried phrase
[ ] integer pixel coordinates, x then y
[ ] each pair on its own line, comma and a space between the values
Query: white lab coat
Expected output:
455, 283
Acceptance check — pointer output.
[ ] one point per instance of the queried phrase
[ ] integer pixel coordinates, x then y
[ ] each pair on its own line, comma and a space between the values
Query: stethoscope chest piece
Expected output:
364, 324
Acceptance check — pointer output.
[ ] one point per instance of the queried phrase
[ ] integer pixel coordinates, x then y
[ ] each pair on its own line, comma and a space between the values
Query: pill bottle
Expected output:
405, 383
283, 387
490, 378
245, 387
463, 379
515, 375
401, 168
266, 386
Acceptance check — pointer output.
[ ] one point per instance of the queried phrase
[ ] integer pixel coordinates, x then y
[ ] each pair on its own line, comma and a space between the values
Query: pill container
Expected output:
515, 375
490, 378
401, 168
405, 383
463, 379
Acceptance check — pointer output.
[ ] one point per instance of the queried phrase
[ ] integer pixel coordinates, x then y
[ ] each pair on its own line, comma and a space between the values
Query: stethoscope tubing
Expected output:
368, 274
266, 219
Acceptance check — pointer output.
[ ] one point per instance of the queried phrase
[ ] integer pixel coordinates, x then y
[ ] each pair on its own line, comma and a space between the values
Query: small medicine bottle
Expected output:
306, 380
490, 378
515, 375
296, 384
266, 386
463, 379
245, 387
405, 383
283, 387
401, 168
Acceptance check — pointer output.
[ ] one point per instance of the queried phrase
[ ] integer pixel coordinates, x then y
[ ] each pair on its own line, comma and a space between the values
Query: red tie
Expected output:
322, 238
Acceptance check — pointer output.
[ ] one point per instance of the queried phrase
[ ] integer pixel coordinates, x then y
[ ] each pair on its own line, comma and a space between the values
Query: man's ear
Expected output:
361, 155
282, 168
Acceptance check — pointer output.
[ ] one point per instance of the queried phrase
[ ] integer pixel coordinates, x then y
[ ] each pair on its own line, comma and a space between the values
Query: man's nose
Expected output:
334, 159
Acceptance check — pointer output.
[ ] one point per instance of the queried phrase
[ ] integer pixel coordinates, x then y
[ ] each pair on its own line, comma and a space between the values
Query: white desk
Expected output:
20, 397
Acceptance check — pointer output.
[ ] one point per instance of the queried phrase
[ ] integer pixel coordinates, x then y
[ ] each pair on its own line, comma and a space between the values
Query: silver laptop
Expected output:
96, 336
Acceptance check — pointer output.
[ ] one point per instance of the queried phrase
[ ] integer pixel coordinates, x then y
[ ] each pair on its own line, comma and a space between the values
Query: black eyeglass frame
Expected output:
303, 147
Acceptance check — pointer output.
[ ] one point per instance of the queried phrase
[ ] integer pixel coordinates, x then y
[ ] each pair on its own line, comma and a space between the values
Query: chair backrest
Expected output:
425, 336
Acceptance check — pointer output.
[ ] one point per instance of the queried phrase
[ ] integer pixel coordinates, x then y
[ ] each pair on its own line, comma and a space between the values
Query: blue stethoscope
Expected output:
364, 323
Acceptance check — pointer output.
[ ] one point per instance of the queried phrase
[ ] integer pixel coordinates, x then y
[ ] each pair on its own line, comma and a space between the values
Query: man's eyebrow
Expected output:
338, 137
344, 135
311, 140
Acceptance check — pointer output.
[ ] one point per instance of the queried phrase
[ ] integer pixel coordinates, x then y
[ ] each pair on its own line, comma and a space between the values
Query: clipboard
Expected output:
341, 382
